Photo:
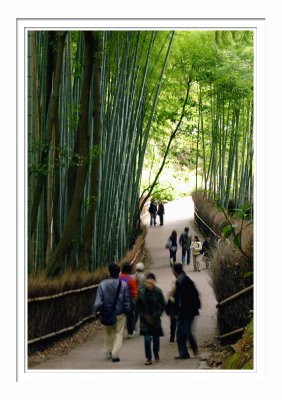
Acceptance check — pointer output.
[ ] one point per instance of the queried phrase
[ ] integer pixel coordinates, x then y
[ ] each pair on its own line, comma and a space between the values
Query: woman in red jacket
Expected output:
126, 276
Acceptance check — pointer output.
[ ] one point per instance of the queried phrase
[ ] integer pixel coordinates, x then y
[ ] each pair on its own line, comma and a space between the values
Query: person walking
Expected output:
109, 290
187, 305
139, 274
206, 249
171, 245
153, 212
161, 212
127, 277
171, 312
185, 242
196, 247
140, 279
150, 305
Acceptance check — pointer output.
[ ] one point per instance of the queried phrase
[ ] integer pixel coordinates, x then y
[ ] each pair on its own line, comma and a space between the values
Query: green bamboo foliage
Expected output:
97, 93
226, 164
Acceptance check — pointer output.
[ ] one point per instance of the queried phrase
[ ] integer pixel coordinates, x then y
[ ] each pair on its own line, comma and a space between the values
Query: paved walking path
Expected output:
90, 356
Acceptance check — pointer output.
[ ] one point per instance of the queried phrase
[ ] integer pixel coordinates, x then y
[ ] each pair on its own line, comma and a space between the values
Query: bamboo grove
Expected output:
97, 101
91, 102
213, 149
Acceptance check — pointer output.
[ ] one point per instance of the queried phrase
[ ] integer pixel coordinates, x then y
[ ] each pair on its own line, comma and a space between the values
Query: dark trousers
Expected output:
156, 346
184, 333
172, 326
153, 218
172, 254
186, 253
161, 219
131, 319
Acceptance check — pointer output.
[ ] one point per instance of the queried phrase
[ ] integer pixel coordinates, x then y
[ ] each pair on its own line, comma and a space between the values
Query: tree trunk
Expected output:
52, 112
73, 222
95, 168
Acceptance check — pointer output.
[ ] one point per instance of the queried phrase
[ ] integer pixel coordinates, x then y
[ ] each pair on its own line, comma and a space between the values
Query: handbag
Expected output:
168, 244
108, 312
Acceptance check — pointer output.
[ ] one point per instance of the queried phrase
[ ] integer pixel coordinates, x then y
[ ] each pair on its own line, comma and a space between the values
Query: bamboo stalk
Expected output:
231, 333
62, 294
235, 296
215, 234
53, 334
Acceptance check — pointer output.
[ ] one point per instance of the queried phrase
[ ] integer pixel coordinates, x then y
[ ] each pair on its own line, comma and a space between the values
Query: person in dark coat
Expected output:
185, 242
187, 303
150, 305
171, 245
153, 212
161, 212
206, 250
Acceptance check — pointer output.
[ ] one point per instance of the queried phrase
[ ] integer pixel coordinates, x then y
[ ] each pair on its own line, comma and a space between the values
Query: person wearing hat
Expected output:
139, 274
140, 279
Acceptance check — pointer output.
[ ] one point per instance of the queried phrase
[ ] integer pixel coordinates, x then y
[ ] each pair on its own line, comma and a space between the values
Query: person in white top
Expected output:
196, 247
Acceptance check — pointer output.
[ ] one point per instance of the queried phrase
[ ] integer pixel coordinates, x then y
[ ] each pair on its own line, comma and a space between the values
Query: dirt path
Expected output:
89, 355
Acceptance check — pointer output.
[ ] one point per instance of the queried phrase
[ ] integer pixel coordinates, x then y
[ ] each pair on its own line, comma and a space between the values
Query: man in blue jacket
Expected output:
106, 294
187, 305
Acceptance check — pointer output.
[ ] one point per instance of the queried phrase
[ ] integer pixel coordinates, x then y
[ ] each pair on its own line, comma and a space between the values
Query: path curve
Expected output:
89, 355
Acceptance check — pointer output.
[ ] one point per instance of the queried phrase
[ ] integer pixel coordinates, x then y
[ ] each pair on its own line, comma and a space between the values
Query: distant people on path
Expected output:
185, 242
196, 247
161, 212
171, 312
153, 212
206, 249
106, 295
171, 245
187, 305
150, 305
127, 277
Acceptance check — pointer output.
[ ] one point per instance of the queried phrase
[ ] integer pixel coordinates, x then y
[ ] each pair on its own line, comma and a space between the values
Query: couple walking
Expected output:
150, 305
185, 241
155, 210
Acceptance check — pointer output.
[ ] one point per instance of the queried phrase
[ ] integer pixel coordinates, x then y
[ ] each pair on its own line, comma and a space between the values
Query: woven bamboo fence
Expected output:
52, 315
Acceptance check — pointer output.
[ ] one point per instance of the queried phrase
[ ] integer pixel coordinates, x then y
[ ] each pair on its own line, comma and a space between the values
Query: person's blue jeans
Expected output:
172, 254
186, 254
184, 333
156, 346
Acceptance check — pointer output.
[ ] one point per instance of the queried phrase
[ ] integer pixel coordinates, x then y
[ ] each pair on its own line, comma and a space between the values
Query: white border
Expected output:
212, 377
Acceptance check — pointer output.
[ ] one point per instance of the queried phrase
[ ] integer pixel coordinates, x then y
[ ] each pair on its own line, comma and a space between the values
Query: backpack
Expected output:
185, 240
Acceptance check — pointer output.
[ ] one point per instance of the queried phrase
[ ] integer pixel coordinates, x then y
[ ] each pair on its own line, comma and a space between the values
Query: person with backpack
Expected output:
113, 295
206, 249
185, 242
187, 305
153, 212
196, 247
